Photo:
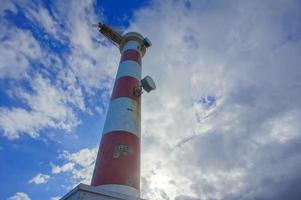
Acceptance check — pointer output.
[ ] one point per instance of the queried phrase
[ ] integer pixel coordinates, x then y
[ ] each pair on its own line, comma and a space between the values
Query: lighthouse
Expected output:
117, 167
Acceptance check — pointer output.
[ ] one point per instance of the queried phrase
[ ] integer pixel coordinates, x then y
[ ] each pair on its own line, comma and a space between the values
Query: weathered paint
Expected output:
124, 87
131, 45
129, 68
123, 114
124, 170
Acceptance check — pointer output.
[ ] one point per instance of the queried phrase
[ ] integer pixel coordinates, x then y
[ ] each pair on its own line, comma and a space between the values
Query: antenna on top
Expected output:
109, 32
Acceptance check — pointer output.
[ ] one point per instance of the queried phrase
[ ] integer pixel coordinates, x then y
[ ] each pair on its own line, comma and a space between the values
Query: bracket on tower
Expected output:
109, 32
147, 83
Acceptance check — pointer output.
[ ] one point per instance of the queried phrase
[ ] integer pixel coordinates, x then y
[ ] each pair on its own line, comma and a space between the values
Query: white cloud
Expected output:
55, 198
6, 5
83, 157
240, 54
16, 50
19, 196
38, 15
80, 164
83, 76
40, 179
49, 108
89, 58
285, 127
68, 167
48, 103
42, 17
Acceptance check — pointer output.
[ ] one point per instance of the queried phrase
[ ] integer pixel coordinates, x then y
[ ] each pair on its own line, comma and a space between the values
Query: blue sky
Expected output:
224, 118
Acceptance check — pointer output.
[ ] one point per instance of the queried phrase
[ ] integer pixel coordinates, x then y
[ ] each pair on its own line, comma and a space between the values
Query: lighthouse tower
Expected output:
117, 167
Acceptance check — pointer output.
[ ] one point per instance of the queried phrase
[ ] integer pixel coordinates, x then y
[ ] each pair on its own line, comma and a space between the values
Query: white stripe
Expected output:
123, 115
129, 68
122, 189
132, 44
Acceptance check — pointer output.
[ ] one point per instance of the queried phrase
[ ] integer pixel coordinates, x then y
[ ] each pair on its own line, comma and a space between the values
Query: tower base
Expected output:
87, 192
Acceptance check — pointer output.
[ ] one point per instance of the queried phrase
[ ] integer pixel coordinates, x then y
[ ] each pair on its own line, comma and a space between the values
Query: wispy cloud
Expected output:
49, 107
18, 49
19, 196
231, 51
68, 167
60, 85
79, 164
40, 179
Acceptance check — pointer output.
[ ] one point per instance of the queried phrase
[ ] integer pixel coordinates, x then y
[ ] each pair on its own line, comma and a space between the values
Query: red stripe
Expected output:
131, 54
124, 170
124, 87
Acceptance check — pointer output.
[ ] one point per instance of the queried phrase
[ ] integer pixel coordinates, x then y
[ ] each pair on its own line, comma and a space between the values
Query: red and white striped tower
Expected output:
117, 165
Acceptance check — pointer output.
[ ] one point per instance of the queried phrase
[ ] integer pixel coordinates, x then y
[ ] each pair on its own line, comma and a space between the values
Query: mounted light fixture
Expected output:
148, 84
